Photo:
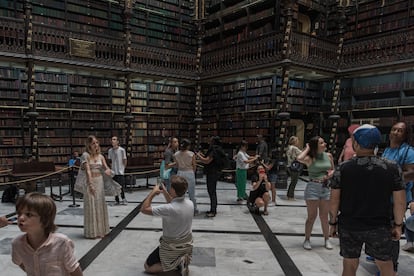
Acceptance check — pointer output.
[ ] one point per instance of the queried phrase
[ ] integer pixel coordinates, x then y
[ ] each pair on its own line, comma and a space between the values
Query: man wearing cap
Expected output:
403, 154
360, 204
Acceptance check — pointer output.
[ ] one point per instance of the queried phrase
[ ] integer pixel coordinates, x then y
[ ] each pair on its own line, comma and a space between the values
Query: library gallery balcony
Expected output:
52, 44
311, 52
101, 51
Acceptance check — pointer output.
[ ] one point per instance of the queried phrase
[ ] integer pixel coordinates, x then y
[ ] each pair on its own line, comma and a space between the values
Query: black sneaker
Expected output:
253, 208
210, 214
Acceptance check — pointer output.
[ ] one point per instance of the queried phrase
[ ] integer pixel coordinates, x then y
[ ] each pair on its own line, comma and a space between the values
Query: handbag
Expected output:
296, 166
164, 173
80, 183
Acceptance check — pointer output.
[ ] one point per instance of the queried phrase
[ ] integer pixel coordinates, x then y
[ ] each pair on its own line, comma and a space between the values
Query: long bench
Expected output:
35, 169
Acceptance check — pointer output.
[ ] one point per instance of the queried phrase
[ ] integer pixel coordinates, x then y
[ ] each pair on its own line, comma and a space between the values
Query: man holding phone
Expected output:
4, 222
176, 243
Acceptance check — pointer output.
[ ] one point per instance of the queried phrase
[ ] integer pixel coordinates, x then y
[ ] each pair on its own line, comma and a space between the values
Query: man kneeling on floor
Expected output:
176, 242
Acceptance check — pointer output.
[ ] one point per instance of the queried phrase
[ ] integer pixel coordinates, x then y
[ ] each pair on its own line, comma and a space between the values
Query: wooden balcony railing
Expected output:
12, 37
267, 51
52, 43
397, 47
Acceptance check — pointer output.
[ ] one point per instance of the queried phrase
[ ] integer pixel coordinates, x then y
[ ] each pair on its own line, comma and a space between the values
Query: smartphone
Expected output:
159, 183
12, 219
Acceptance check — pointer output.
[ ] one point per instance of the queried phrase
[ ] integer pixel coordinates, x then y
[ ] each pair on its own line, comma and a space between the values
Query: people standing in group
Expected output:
186, 163
348, 151
213, 160
320, 166
259, 194
262, 148
243, 161
365, 190
118, 159
169, 159
96, 223
402, 153
292, 153
176, 242
41, 251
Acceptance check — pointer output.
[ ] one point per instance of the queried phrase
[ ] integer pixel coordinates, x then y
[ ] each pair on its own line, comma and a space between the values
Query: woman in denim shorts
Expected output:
320, 169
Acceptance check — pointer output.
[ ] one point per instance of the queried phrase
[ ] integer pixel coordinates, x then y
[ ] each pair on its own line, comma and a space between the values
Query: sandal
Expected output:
265, 213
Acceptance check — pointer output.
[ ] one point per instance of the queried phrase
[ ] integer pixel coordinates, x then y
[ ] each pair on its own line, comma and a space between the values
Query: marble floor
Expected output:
235, 242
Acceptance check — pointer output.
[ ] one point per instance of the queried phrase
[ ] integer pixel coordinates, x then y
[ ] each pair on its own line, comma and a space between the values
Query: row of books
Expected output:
11, 73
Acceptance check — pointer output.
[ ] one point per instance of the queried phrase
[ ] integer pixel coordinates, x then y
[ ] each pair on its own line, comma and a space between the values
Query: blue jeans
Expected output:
409, 235
190, 177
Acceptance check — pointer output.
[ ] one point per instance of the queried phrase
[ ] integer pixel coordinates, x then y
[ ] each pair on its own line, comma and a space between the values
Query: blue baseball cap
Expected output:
367, 136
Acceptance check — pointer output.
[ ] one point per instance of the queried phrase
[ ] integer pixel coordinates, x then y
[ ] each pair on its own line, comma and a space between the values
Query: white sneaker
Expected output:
409, 246
124, 202
307, 245
328, 244
271, 204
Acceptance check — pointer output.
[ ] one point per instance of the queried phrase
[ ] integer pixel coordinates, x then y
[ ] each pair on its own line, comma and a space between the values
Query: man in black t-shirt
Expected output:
360, 204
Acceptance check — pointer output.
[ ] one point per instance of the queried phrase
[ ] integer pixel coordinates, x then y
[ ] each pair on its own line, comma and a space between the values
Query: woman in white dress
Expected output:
96, 224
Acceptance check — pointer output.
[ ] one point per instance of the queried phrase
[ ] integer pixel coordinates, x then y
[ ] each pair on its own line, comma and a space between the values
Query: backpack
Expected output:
10, 194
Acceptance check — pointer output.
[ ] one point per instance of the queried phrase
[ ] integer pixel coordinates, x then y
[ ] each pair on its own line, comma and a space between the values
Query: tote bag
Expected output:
164, 173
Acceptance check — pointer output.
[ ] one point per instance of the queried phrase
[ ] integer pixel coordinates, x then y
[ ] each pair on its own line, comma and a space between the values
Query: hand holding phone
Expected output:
159, 183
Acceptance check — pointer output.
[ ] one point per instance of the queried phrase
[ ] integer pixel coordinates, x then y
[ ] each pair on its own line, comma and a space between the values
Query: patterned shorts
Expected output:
378, 243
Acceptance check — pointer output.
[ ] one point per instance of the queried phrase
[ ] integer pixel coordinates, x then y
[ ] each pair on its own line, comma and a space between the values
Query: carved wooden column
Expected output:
31, 113
334, 117
198, 118
128, 117
283, 116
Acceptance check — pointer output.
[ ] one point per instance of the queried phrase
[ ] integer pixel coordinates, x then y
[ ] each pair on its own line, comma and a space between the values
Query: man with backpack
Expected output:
215, 161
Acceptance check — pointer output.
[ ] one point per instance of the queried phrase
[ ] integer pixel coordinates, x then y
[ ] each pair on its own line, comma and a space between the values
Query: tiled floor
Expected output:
233, 243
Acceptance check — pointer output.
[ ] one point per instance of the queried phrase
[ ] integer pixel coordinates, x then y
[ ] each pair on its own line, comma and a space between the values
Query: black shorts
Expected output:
259, 192
154, 257
378, 243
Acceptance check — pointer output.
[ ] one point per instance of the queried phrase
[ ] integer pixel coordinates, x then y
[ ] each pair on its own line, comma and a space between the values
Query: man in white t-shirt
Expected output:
176, 242
118, 158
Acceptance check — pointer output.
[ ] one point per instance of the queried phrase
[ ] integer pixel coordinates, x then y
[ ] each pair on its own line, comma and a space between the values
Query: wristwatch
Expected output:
333, 223
398, 225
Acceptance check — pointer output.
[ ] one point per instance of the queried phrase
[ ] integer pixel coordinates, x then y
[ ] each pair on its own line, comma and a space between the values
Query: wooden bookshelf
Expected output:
12, 8
13, 83
163, 23
14, 138
51, 89
373, 17
231, 22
